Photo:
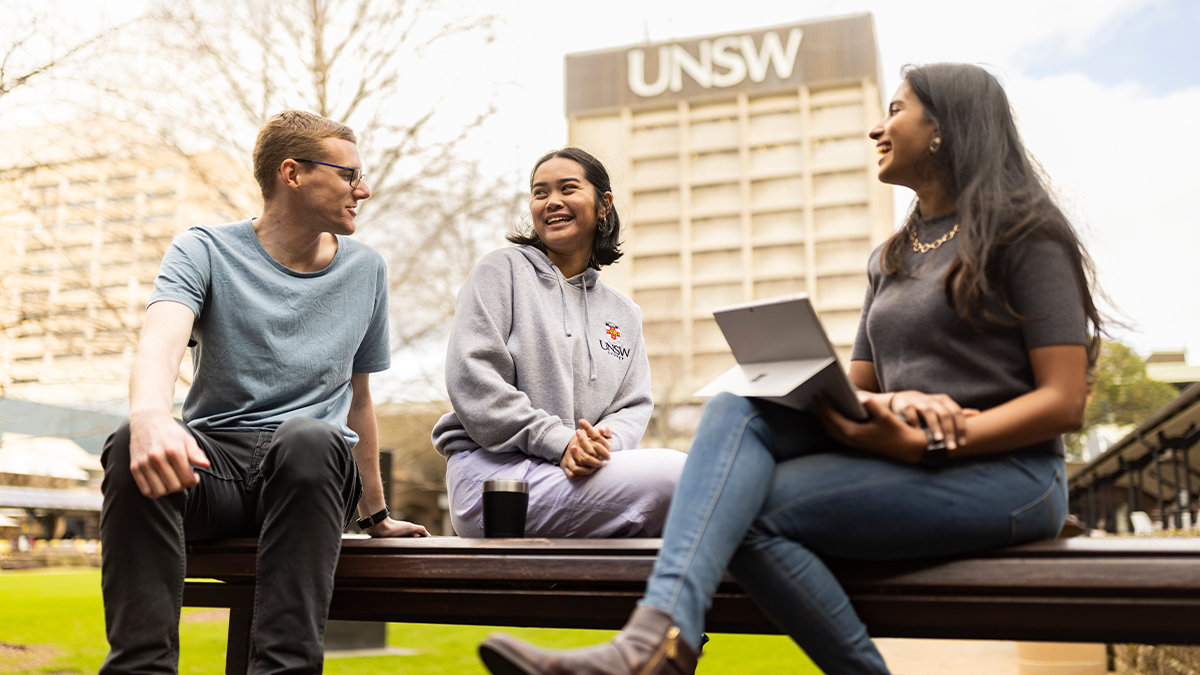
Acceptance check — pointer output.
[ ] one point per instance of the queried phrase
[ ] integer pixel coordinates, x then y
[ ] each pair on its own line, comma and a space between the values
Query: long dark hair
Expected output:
606, 246
1000, 193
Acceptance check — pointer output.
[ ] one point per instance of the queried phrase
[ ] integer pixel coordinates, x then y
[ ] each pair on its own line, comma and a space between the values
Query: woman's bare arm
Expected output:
1055, 406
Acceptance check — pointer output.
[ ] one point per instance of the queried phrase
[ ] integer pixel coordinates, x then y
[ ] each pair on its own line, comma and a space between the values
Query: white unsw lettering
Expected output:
673, 60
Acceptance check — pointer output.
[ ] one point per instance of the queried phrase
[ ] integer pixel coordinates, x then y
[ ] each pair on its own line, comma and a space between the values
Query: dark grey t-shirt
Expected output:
273, 343
917, 341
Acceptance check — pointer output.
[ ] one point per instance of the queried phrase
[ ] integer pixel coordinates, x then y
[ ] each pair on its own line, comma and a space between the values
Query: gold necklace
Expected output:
925, 248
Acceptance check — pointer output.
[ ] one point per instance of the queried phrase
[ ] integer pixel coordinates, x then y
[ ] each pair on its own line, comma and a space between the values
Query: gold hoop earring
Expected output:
935, 144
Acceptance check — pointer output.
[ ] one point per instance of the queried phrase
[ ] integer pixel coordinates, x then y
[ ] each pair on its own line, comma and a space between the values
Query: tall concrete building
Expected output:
742, 170
88, 209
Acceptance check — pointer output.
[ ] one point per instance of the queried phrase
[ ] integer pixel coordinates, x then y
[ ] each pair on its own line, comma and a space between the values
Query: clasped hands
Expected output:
894, 429
588, 450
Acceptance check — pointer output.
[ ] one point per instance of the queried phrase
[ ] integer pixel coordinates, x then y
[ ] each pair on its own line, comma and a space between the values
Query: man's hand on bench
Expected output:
390, 527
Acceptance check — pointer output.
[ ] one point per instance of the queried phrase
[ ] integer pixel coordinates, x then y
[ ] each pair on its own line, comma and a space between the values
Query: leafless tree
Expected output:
52, 293
674, 420
37, 46
87, 210
361, 62
206, 74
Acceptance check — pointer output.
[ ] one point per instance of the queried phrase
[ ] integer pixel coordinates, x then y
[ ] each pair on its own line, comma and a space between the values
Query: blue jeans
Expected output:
766, 493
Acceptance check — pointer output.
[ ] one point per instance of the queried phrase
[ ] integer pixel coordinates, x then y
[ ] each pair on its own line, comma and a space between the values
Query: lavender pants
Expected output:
627, 497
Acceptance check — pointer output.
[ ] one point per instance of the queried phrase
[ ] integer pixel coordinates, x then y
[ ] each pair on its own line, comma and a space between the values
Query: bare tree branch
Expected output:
40, 65
432, 212
201, 74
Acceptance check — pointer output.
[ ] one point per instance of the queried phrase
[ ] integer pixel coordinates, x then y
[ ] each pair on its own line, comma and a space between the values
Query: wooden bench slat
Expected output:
1054, 618
1081, 590
352, 545
1112, 575
1063, 549
1109, 573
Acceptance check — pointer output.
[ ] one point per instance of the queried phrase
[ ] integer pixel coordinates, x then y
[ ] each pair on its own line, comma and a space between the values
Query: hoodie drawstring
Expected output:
562, 293
587, 321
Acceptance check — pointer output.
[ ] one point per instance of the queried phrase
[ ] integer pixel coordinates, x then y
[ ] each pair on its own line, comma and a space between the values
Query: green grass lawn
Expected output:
57, 619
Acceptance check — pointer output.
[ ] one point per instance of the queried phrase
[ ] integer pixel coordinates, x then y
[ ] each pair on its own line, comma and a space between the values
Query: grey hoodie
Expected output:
531, 352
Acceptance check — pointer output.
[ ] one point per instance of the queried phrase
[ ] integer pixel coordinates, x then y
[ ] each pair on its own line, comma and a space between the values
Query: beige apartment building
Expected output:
88, 209
742, 170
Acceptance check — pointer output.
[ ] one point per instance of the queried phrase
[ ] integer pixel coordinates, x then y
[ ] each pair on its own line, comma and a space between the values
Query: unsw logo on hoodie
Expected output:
611, 343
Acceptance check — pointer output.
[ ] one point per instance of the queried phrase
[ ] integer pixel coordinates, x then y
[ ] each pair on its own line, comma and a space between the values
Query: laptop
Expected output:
783, 355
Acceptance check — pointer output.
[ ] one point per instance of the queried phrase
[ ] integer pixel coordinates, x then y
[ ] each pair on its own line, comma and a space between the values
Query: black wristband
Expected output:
374, 519
935, 454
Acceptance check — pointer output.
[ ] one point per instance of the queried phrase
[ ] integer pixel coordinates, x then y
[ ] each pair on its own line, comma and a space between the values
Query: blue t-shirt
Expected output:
273, 343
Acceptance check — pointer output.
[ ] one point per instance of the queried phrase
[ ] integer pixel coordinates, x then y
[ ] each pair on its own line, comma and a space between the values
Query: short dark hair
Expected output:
606, 246
292, 134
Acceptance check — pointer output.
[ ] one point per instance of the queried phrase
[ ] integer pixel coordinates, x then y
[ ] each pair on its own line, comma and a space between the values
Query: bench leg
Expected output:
237, 650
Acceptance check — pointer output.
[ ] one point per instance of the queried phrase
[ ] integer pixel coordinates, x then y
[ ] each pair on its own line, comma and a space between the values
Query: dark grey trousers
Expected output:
295, 489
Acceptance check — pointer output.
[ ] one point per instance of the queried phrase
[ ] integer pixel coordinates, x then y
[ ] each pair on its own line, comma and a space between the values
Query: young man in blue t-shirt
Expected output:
287, 318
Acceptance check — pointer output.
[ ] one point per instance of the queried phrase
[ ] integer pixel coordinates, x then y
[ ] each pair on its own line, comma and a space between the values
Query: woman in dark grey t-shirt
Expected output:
972, 356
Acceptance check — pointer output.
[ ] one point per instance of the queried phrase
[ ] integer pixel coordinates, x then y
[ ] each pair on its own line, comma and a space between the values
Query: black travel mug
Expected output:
505, 502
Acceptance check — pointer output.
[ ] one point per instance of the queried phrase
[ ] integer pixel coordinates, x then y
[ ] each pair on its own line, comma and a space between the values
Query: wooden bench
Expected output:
1078, 590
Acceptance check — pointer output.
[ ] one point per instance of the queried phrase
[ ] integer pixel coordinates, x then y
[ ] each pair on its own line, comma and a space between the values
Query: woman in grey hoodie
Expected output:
548, 374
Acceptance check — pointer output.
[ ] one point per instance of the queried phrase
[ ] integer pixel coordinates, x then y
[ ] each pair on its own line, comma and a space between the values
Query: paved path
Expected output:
990, 657
948, 657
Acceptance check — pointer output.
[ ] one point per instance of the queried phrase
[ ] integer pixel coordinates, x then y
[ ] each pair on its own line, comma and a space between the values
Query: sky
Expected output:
1104, 92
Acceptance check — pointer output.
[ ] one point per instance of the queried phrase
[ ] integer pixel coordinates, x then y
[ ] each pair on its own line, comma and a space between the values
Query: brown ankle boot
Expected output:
649, 644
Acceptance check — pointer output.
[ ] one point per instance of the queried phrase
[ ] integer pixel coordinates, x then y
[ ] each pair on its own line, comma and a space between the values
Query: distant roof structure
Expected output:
1154, 468
1172, 367
22, 454
84, 427
28, 463
39, 498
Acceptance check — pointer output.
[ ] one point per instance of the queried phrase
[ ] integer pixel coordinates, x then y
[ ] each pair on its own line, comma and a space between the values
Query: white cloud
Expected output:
1114, 154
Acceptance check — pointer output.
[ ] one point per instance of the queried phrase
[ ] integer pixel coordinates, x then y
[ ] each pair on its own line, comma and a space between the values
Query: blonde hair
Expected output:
292, 134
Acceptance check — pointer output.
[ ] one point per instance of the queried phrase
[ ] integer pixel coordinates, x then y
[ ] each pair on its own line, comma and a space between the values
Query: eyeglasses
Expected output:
356, 175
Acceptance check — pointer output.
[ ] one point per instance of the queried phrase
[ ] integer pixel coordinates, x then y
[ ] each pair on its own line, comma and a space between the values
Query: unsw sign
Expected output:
786, 57
723, 62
